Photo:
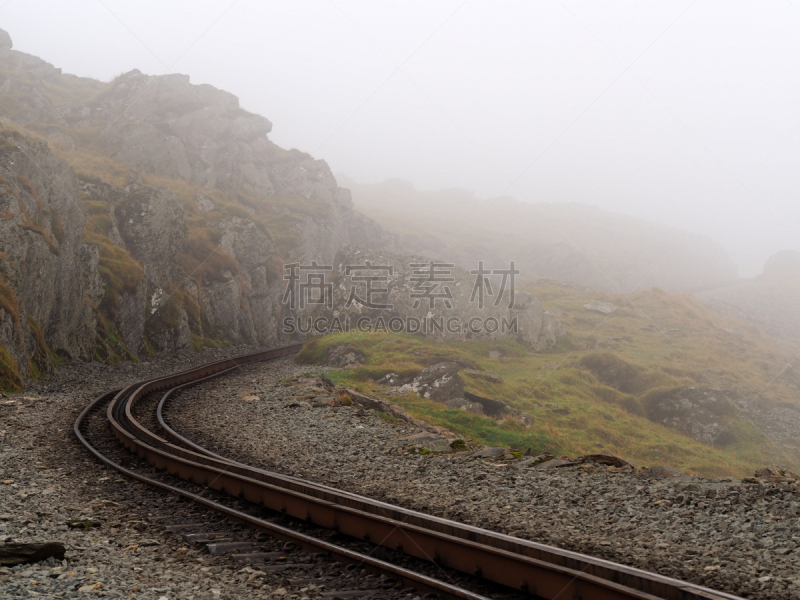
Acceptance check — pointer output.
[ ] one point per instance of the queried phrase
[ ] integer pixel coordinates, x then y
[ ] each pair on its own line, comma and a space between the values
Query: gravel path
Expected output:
742, 537
47, 478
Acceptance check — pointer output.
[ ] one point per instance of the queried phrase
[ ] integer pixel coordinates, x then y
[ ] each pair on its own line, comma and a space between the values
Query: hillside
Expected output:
566, 242
149, 215
663, 379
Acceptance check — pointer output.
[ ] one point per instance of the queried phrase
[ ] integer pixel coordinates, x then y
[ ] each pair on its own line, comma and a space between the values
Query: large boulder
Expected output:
698, 412
439, 382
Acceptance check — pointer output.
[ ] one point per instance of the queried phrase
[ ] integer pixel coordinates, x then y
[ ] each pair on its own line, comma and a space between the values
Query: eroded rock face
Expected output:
5, 40
152, 224
193, 132
57, 264
248, 302
41, 254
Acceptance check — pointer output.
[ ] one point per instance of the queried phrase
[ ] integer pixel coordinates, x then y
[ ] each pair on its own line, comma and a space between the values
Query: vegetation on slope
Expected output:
607, 373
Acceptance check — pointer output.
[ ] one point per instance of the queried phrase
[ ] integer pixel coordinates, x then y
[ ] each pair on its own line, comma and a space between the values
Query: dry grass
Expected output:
8, 300
121, 273
204, 261
10, 380
40, 363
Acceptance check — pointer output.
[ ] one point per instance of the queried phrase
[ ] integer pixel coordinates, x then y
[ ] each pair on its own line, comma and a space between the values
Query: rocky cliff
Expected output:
149, 214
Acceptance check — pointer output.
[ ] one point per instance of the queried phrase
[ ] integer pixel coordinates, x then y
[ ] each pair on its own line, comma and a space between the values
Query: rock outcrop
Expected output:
700, 413
439, 382
442, 383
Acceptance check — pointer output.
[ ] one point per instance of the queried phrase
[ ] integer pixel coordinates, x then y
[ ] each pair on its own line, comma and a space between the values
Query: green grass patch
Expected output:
388, 417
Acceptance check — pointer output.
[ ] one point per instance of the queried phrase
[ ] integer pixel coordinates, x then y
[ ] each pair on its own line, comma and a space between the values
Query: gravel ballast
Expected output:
742, 537
113, 529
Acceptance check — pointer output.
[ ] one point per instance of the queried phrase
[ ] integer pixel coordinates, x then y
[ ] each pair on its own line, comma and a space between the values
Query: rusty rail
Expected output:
537, 569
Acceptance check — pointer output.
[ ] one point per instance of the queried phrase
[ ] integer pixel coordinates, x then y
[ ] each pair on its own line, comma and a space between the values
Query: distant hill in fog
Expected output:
567, 242
770, 301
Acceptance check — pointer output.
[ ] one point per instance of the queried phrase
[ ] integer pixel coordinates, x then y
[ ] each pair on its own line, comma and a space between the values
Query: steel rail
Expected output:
538, 569
409, 578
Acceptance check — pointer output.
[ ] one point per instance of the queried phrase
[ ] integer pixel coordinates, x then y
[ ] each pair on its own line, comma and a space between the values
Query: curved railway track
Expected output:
529, 568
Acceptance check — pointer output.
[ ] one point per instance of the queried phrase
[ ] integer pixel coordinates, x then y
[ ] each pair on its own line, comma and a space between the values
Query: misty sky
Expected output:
683, 112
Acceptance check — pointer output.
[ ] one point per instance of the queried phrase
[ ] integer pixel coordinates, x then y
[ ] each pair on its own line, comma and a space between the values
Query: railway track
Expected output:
509, 566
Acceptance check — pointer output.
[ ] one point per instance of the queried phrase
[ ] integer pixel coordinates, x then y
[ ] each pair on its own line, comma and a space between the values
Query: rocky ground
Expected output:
118, 546
742, 537
738, 536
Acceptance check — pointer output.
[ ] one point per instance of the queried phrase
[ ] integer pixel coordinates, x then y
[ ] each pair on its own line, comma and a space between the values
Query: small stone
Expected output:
490, 452
605, 308
83, 524
660, 472
149, 543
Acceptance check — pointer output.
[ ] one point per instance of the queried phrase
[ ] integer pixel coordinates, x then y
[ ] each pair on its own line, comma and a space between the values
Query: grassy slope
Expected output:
663, 341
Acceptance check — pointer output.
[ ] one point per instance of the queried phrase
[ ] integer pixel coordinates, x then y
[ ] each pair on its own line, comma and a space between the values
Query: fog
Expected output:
681, 112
